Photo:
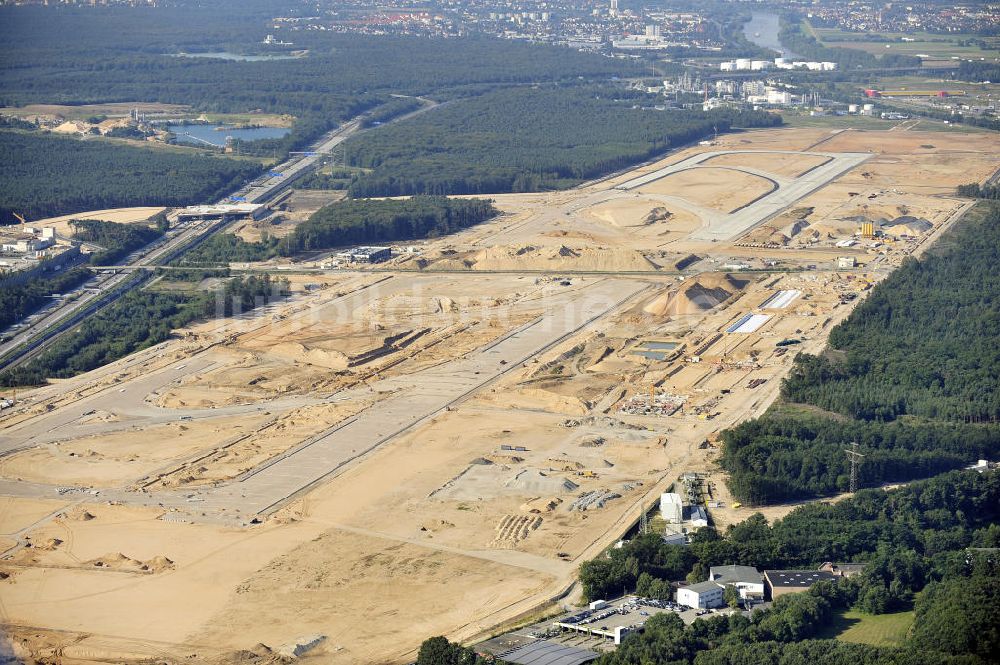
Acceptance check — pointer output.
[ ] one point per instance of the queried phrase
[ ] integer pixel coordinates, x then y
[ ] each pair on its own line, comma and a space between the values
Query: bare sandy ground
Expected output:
120, 215
479, 513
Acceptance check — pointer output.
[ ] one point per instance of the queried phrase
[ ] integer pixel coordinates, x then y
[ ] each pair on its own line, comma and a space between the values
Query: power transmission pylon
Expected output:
855, 458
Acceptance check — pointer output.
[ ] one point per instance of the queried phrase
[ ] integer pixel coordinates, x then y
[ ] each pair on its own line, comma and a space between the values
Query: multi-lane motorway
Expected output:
43, 328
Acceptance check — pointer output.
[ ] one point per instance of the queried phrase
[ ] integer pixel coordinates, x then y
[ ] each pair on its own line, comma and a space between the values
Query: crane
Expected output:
20, 218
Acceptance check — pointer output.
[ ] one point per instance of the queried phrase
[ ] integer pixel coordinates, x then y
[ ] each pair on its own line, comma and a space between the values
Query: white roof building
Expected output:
703, 595
672, 508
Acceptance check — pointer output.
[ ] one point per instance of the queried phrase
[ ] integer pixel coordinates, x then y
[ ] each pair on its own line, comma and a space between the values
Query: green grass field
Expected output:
935, 46
878, 630
833, 122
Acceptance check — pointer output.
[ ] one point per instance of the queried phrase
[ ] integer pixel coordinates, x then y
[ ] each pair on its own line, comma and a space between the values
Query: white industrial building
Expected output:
703, 595
672, 508
747, 580
745, 64
366, 255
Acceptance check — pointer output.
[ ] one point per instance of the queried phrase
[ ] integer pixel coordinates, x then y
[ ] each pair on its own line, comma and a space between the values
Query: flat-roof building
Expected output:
703, 595
672, 508
780, 582
843, 569
365, 255
545, 652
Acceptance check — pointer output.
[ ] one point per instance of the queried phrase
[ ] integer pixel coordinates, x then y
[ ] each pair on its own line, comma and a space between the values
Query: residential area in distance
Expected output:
466, 332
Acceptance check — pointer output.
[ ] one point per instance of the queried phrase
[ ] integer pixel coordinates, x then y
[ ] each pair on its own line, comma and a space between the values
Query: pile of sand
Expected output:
559, 257
659, 214
537, 399
295, 352
696, 295
908, 225
100, 417
120, 562
78, 514
533, 481
541, 504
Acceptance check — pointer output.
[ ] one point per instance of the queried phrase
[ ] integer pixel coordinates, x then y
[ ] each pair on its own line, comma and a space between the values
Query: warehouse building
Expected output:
779, 582
366, 255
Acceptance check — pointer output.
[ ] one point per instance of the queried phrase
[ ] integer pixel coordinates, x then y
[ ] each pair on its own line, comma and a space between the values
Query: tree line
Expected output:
139, 320
19, 301
526, 139
976, 191
912, 375
933, 537
350, 222
46, 175
117, 240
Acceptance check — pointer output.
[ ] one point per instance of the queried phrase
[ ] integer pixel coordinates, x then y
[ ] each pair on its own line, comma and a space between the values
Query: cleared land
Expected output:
451, 422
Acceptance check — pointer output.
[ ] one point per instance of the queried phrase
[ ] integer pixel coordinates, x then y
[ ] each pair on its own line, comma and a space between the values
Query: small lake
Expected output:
216, 134
226, 55
663, 346
762, 30
652, 355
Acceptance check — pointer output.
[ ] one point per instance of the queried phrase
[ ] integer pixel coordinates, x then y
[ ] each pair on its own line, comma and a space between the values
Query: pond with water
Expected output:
216, 134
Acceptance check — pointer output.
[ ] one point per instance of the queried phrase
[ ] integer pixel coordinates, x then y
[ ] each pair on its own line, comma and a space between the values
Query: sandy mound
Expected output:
908, 225
541, 504
78, 514
659, 214
696, 295
158, 564
559, 257
539, 400
50, 544
117, 561
295, 352
120, 562
100, 417
536, 482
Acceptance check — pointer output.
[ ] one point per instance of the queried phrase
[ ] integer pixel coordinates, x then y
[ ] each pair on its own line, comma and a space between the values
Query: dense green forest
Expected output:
138, 320
350, 223
127, 55
918, 538
355, 222
19, 301
222, 248
118, 240
45, 175
912, 375
524, 139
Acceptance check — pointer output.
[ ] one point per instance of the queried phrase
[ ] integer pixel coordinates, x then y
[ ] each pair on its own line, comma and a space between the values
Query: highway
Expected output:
41, 329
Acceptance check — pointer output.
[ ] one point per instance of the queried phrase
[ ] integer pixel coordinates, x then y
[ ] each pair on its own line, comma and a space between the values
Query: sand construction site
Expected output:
433, 446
